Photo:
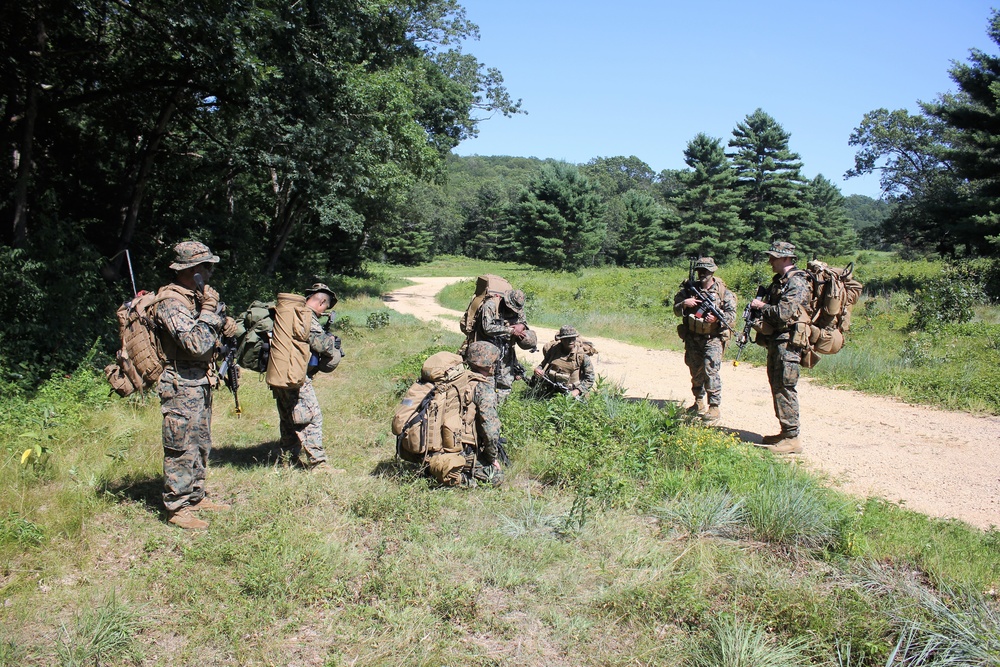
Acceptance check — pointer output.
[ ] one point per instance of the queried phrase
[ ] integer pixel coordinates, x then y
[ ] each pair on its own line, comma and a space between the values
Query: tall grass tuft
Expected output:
736, 643
98, 635
793, 511
710, 512
963, 631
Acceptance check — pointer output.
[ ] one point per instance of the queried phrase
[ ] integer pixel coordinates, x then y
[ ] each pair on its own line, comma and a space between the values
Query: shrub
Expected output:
944, 301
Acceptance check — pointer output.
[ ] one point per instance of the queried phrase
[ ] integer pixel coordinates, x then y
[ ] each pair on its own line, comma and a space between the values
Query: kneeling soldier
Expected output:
565, 366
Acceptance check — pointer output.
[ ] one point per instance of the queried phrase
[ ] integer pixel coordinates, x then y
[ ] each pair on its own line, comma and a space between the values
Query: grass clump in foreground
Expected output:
624, 535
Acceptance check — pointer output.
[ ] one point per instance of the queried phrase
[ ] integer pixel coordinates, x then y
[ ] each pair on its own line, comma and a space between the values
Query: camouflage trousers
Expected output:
187, 442
703, 356
301, 422
783, 376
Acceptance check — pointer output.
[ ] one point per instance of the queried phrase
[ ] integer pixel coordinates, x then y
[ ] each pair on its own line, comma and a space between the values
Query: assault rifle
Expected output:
228, 371
559, 386
705, 304
750, 317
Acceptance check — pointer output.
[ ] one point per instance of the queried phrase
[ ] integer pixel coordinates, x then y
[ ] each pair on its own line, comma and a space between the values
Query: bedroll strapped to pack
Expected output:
433, 415
835, 291
253, 336
487, 286
288, 361
137, 364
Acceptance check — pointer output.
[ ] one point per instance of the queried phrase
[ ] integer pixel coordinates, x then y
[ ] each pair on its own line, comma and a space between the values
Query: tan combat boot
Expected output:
185, 519
713, 414
697, 407
208, 505
787, 446
773, 439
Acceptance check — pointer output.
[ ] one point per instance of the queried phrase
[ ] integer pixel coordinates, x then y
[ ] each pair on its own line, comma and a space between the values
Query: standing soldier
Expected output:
301, 420
786, 306
188, 326
704, 336
502, 322
565, 366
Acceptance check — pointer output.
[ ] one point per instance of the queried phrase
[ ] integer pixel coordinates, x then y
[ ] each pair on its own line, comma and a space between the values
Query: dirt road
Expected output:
945, 464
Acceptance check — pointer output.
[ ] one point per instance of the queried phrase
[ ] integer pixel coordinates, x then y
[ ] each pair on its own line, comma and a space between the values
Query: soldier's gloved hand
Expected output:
209, 299
229, 327
517, 331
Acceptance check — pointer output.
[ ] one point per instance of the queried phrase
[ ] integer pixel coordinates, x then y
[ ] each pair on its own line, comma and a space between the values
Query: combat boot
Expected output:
773, 439
185, 519
713, 414
787, 446
208, 505
697, 407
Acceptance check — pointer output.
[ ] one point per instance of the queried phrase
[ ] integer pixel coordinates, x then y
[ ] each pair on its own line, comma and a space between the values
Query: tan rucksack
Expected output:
137, 364
434, 414
835, 291
487, 286
289, 357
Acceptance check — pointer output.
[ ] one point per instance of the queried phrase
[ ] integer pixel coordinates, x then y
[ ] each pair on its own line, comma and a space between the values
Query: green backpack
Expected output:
253, 336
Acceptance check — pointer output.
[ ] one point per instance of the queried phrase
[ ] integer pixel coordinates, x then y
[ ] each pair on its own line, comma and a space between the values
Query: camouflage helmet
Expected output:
321, 287
514, 299
482, 354
192, 253
782, 249
706, 263
566, 331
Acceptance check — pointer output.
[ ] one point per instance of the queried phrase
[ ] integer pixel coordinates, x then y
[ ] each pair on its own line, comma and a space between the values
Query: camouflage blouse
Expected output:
787, 299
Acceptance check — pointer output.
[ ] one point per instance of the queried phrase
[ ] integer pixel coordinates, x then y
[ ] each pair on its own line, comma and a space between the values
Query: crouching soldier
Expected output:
565, 367
478, 462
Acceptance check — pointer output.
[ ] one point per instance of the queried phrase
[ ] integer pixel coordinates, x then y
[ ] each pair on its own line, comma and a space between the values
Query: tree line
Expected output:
285, 135
733, 199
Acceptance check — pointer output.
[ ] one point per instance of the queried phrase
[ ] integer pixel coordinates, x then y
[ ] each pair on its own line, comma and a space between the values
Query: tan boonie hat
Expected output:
321, 287
192, 253
514, 299
706, 263
482, 353
566, 332
782, 249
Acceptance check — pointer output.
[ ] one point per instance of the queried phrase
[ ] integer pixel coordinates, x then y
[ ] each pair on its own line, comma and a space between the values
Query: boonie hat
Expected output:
482, 353
566, 331
321, 287
706, 263
191, 253
514, 299
782, 249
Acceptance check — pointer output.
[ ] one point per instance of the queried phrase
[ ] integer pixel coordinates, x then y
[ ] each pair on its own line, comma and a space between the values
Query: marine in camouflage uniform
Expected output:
788, 297
300, 417
705, 338
188, 328
565, 362
502, 322
479, 463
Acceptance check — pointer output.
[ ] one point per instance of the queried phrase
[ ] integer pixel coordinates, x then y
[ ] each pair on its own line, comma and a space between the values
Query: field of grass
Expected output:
956, 366
623, 536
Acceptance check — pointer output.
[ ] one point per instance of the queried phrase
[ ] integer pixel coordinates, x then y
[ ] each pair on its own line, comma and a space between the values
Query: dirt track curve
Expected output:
945, 464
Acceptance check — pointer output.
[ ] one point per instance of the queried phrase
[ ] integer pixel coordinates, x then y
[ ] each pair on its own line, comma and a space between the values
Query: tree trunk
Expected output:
141, 173
19, 223
290, 213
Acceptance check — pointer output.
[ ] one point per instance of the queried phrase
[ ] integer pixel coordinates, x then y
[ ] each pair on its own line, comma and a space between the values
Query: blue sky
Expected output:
643, 78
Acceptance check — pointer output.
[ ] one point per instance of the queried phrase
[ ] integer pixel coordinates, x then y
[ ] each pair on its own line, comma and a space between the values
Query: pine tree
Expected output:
836, 235
708, 204
560, 224
768, 180
643, 240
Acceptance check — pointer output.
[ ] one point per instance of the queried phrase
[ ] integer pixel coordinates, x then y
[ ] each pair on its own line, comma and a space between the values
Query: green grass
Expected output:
622, 536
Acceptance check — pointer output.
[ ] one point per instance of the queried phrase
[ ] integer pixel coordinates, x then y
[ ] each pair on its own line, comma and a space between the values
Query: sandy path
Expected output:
945, 464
